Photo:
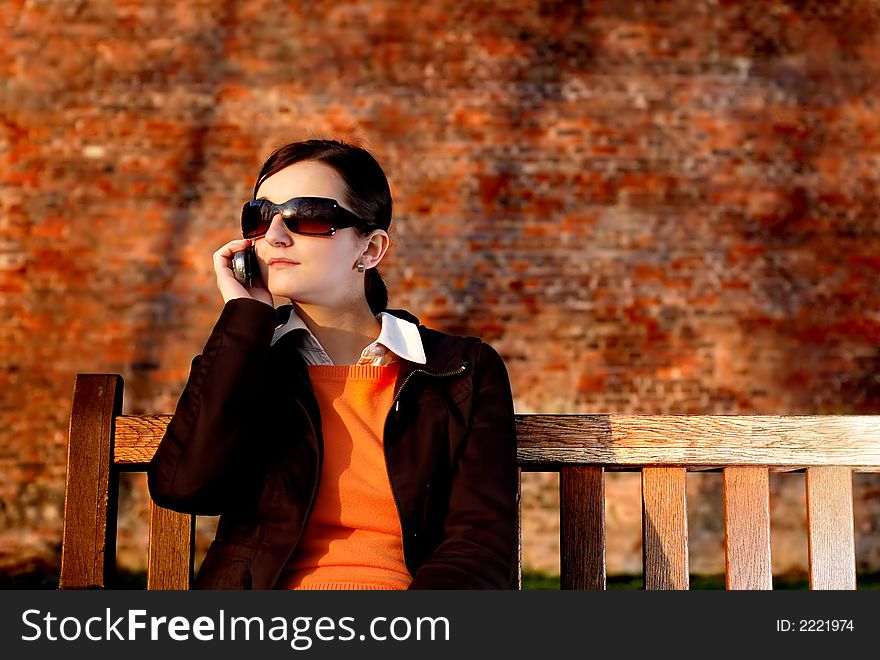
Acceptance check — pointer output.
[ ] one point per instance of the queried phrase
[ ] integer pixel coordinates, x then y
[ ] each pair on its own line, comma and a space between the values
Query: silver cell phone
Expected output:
244, 266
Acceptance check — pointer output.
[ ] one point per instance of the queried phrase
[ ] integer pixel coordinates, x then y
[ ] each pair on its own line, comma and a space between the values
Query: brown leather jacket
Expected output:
245, 444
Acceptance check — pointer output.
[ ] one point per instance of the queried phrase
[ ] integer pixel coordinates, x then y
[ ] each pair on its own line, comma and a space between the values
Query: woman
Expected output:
343, 445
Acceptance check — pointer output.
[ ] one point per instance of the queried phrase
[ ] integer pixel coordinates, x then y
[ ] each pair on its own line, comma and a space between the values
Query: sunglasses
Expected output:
312, 216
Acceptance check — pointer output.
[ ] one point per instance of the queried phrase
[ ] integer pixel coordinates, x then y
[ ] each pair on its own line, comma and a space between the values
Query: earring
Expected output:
361, 267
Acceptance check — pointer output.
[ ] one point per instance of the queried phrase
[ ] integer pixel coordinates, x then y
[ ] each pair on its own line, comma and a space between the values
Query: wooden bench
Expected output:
581, 448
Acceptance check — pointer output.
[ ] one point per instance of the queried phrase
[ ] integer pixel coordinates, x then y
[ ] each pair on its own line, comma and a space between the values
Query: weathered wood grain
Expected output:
582, 527
170, 555
664, 528
88, 546
781, 443
795, 442
830, 528
747, 528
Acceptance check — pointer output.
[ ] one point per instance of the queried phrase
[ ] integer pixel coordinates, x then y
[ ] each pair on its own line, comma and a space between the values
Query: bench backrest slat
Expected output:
170, 529
519, 528
786, 442
90, 494
830, 528
582, 527
747, 528
664, 528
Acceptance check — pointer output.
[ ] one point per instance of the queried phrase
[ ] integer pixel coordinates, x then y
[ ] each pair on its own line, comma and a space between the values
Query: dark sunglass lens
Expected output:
310, 216
253, 222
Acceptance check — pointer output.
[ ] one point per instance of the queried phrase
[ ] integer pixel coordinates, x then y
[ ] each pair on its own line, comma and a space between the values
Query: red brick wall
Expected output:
646, 207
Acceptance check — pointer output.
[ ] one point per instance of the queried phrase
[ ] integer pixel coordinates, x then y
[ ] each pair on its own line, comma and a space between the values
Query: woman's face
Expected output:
326, 274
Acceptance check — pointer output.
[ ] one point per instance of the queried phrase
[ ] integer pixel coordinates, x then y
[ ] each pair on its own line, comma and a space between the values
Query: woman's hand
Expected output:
229, 286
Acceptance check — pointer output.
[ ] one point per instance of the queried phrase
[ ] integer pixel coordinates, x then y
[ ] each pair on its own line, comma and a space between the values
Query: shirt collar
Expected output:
398, 335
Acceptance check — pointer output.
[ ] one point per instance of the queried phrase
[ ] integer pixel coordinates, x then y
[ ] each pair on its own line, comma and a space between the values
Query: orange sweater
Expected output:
353, 539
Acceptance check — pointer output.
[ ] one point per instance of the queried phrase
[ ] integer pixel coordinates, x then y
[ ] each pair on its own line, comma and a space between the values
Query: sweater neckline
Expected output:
352, 371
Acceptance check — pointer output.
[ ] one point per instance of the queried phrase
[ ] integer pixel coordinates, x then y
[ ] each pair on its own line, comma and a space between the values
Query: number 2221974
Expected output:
814, 625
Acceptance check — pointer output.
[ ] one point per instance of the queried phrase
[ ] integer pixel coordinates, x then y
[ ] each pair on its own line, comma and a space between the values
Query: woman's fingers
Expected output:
232, 247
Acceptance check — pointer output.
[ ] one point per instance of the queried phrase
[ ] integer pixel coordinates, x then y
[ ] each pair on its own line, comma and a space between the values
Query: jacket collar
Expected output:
399, 333
442, 356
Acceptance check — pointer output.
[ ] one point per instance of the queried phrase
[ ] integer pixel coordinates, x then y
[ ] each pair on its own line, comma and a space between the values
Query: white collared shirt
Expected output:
397, 337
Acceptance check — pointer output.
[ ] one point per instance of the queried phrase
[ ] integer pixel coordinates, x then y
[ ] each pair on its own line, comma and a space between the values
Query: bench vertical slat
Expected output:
519, 528
582, 527
830, 528
88, 547
747, 528
170, 556
664, 528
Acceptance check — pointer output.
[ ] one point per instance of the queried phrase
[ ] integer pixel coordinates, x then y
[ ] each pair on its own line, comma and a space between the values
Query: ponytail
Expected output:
375, 291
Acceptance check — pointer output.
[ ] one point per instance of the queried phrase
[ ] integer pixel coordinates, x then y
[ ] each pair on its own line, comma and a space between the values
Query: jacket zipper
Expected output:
395, 406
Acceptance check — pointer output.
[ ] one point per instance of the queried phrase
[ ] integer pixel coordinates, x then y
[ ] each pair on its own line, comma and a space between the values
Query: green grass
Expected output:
532, 580
537, 581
